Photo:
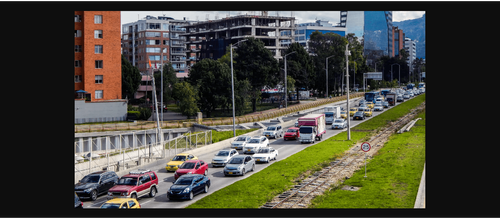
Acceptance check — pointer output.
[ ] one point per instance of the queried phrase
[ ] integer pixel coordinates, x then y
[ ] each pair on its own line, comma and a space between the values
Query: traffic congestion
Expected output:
188, 177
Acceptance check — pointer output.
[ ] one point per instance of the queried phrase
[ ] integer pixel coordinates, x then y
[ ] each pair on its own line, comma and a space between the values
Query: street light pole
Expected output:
286, 93
347, 54
232, 86
326, 63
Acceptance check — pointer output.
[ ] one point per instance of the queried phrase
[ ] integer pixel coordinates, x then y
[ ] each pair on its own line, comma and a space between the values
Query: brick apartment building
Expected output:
398, 41
98, 55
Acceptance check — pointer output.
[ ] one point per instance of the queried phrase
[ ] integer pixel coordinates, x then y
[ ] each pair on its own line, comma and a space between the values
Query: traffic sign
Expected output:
366, 146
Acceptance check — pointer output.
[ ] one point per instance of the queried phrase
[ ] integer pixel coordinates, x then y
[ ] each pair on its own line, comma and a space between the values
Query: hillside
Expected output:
415, 30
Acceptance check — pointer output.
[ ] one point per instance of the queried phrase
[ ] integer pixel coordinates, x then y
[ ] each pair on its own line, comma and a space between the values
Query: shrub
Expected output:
133, 115
145, 113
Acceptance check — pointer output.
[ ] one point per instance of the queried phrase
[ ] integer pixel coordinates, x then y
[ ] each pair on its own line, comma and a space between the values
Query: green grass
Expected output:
221, 136
280, 176
393, 175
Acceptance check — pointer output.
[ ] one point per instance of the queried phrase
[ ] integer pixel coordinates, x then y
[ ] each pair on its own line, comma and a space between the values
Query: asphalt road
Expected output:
218, 180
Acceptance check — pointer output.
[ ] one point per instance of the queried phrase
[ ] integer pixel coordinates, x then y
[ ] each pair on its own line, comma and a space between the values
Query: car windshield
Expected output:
111, 205
187, 166
328, 114
254, 141
183, 181
222, 153
353, 109
367, 110
291, 130
263, 151
127, 181
271, 128
90, 179
339, 121
305, 130
179, 158
236, 161
241, 139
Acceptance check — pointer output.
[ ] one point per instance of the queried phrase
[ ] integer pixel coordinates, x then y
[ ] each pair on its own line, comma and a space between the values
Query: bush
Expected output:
145, 113
133, 115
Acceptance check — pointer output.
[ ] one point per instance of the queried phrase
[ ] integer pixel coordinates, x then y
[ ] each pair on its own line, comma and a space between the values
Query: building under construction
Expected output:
209, 39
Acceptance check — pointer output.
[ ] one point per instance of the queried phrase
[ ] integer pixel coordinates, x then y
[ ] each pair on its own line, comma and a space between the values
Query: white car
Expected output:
240, 142
339, 124
378, 106
255, 144
223, 156
265, 154
297, 123
273, 131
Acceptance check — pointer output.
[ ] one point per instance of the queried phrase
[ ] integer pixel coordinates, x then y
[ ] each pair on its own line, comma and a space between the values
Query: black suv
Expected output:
95, 184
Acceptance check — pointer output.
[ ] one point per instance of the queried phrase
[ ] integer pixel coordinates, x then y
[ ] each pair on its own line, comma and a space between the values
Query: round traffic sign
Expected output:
366, 146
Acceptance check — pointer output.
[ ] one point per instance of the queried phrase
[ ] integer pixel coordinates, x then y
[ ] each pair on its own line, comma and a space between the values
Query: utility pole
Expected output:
347, 54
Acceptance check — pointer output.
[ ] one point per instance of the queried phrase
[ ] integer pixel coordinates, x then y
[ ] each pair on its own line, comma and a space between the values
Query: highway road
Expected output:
218, 180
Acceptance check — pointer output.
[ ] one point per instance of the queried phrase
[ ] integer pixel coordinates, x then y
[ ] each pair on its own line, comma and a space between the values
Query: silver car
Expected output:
239, 165
240, 142
223, 156
273, 131
378, 106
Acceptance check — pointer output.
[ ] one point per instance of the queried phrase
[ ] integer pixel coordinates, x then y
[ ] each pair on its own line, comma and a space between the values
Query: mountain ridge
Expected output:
415, 30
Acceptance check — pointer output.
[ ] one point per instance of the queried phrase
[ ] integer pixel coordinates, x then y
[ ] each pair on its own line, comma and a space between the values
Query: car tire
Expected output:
152, 192
253, 167
243, 172
206, 189
93, 195
134, 196
191, 195
206, 173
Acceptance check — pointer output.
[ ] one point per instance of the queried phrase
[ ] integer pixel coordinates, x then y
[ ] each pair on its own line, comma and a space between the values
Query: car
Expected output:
406, 96
339, 124
223, 156
378, 106
292, 133
273, 131
187, 186
343, 114
78, 203
352, 111
95, 184
368, 112
192, 167
121, 203
370, 105
385, 104
178, 160
165, 108
265, 154
361, 102
239, 165
359, 115
240, 142
400, 98
255, 143
135, 184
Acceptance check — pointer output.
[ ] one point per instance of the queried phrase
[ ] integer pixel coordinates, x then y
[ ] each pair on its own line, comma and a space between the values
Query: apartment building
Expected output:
398, 41
411, 48
303, 31
97, 55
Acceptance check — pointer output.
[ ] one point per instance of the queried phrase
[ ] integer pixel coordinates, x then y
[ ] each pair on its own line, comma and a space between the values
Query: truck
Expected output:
312, 127
331, 113
391, 98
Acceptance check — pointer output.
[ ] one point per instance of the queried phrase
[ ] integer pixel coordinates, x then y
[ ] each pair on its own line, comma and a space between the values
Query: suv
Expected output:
273, 132
96, 183
135, 184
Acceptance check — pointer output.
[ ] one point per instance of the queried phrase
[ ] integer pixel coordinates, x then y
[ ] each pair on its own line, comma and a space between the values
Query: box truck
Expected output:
331, 113
312, 127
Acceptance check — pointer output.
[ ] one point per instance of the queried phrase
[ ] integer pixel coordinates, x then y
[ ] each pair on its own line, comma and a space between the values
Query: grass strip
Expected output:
393, 175
221, 136
260, 187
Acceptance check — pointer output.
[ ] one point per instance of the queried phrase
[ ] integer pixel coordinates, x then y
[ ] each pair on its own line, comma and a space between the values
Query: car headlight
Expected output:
186, 190
124, 193
88, 190
189, 173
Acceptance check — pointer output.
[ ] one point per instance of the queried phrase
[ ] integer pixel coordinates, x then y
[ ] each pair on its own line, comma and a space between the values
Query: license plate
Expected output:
248, 150
267, 135
258, 159
230, 172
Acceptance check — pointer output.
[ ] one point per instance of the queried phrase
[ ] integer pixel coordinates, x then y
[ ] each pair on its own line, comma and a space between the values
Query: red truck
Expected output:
391, 98
312, 127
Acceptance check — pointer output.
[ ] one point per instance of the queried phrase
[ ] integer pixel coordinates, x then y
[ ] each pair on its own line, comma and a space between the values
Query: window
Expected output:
131, 203
165, 27
145, 178
98, 63
153, 34
98, 34
98, 94
97, 19
98, 79
152, 50
78, 63
78, 48
78, 18
153, 177
78, 33
98, 49
154, 58
198, 166
78, 78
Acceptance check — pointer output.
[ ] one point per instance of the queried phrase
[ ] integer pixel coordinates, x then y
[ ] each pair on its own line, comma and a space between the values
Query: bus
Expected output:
384, 92
370, 96
410, 86
421, 85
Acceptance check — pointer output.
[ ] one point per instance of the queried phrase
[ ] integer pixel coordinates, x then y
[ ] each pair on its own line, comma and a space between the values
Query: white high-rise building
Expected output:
411, 48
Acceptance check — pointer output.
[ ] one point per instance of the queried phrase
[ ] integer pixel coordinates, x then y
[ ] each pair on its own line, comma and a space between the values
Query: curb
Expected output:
420, 201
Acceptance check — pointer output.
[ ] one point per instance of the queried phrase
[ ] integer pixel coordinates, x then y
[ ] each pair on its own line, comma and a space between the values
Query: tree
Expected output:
187, 97
169, 80
256, 64
131, 79
299, 67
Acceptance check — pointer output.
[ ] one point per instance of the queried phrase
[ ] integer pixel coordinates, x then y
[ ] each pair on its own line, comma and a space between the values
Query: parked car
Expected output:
339, 124
255, 143
95, 184
192, 167
273, 131
223, 156
368, 112
265, 154
121, 203
378, 106
135, 184
240, 142
187, 186
178, 160
292, 133
239, 165
78, 203
359, 115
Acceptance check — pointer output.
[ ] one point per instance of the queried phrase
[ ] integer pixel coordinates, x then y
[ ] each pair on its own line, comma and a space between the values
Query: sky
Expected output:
302, 16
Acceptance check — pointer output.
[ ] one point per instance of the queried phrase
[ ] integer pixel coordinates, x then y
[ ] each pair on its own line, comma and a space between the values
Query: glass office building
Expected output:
375, 28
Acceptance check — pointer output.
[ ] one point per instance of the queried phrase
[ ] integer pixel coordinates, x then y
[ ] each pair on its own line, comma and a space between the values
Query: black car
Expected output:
359, 115
187, 186
95, 184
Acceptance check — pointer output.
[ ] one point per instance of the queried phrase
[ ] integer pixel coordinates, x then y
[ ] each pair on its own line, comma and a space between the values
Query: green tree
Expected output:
187, 97
299, 67
256, 64
131, 79
169, 80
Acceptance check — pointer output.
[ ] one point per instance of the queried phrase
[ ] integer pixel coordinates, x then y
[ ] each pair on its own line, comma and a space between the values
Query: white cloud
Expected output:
406, 15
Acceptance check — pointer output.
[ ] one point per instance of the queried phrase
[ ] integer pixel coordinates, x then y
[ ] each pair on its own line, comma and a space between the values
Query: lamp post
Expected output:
232, 85
399, 72
347, 54
286, 93
326, 63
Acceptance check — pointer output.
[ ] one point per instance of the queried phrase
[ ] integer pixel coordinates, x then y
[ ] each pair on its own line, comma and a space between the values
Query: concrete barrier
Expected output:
420, 201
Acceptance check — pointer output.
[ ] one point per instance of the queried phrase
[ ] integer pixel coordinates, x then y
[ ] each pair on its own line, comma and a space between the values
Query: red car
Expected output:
135, 184
192, 167
292, 133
